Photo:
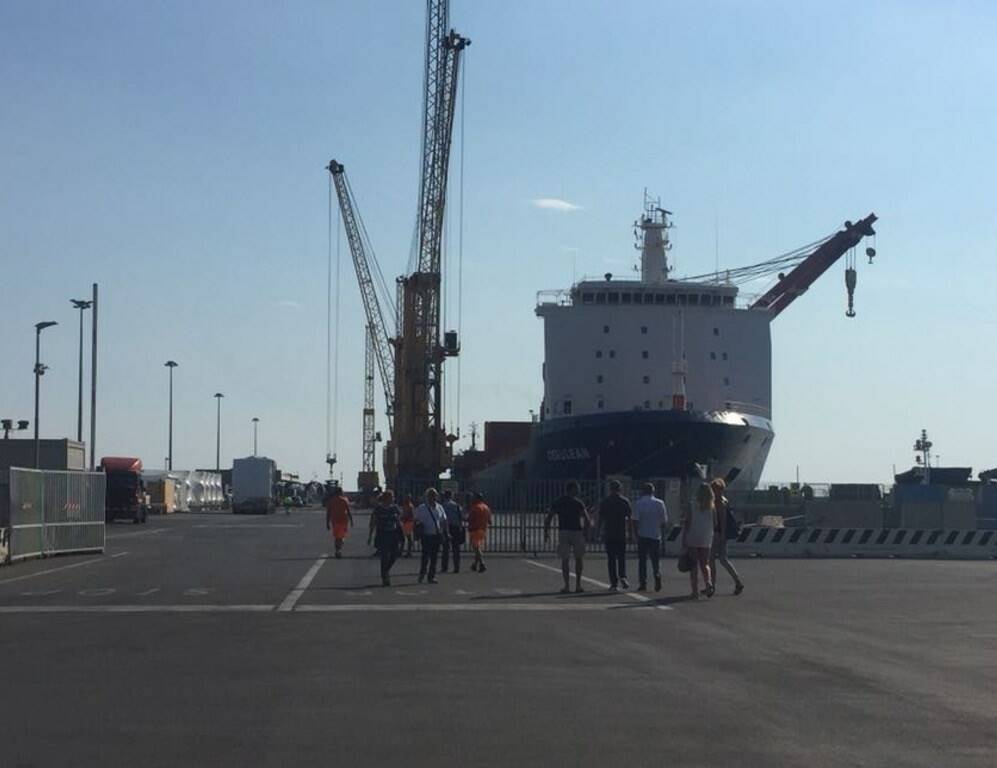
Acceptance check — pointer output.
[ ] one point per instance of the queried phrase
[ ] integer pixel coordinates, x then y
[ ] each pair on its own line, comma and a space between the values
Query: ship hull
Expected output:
642, 445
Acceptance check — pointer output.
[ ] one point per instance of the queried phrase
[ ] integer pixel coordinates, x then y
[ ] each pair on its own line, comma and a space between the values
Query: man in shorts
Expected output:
479, 517
572, 520
338, 517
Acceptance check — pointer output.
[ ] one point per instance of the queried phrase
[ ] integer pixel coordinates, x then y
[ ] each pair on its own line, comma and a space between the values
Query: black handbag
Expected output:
685, 561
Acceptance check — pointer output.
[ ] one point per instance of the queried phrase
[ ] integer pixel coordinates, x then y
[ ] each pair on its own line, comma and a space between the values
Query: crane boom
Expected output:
377, 329
792, 285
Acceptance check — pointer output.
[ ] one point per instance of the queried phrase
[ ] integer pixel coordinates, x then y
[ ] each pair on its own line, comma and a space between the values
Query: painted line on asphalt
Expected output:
134, 534
61, 568
444, 607
626, 593
135, 608
288, 603
250, 525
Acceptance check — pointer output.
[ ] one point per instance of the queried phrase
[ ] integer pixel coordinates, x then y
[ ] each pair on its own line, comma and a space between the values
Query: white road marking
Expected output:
196, 591
409, 592
508, 592
251, 525
148, 592
632, 595
462, 592
149, 532
41, 593
60, 568
135, 608
363, 593
288, 603
96, 592
565, 605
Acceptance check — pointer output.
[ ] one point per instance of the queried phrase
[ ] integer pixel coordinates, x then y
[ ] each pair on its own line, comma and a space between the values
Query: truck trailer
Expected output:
253, 485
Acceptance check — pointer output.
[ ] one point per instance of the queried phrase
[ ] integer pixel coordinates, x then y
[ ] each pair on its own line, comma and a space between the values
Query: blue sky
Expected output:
174, 153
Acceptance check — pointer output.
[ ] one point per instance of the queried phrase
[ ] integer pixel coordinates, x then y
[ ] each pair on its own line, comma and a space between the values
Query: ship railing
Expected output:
752, 409
558, 297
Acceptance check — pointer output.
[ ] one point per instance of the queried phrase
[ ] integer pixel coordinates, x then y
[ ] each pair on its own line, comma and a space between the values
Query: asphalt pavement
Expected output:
239, 641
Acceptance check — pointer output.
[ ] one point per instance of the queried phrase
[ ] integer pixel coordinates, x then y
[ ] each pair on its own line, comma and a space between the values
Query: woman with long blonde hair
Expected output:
697, 537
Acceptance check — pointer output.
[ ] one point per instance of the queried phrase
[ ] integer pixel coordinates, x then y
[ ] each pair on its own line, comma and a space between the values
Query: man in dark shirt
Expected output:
572, 519
614, 522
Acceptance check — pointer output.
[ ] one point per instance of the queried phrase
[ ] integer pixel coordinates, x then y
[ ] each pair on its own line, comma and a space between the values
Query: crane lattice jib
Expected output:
384, 352
369, 436
792, 285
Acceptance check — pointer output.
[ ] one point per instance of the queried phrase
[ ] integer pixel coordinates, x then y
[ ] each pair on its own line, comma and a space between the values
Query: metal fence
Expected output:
55, 512
519, 507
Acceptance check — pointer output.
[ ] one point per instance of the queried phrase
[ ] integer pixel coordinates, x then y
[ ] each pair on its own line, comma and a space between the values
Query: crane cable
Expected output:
331, 342
460, 242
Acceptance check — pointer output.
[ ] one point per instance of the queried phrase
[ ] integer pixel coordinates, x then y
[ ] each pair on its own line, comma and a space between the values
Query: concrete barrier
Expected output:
856, 542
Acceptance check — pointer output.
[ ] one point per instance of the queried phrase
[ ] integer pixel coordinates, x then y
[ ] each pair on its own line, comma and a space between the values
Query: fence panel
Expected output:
55, 512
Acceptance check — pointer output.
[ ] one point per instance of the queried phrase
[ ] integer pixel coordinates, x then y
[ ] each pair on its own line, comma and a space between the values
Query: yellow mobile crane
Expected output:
411, 363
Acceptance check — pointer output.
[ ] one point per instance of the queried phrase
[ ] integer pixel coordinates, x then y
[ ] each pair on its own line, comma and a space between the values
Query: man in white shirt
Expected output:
432, 519
649, 520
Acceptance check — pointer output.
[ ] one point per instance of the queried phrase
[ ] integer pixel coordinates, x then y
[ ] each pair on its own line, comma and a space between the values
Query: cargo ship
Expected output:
657, 377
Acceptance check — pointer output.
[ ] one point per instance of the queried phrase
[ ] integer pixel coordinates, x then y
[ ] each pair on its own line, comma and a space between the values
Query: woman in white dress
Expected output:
697, 537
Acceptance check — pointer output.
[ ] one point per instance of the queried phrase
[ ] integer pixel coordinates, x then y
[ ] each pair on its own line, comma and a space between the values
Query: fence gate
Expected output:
55, 512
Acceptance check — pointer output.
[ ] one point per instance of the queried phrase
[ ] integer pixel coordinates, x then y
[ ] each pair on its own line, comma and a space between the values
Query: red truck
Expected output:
125, 494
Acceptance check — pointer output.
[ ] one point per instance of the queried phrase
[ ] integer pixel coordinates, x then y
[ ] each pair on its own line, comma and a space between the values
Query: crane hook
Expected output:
851, 279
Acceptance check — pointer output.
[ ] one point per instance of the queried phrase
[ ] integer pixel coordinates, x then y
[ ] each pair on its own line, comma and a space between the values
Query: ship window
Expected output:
567, 407
716, 331
670, 298
647, 379
693, 299
661, 403
638, 298
724, 355
716, 299
614, 298
612, 353
598, 353
726, 381
644, 354
643, 329
626, 298
728, 301
713, 355
600, 404
705, 301
587, 298
598, 379
682, 298
600, 298
659, 298
605, 329
647, 405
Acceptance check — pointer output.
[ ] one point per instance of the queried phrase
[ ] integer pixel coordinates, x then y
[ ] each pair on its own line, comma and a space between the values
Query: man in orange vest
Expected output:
338, 517
479, 517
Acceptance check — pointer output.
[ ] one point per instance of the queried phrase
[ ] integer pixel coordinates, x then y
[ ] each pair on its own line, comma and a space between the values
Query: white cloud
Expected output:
554, 204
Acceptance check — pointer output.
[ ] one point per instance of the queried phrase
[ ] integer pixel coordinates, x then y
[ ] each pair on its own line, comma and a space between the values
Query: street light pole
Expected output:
169, 457
218, 432
256, 423
82, 305
39, 370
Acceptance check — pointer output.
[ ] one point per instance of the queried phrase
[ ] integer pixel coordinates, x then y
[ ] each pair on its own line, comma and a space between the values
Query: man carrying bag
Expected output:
432, 520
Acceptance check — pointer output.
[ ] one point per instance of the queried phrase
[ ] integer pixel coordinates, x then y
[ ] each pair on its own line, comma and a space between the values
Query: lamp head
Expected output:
170, 364
81, 303
219, 394
43, 325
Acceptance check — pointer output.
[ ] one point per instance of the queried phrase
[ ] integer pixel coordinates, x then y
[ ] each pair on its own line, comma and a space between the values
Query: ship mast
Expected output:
651, 234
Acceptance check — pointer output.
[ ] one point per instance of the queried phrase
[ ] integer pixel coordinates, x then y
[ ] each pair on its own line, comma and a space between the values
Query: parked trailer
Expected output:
253, 485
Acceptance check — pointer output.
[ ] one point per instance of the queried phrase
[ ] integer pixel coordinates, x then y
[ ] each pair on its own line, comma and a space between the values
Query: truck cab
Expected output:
125, 494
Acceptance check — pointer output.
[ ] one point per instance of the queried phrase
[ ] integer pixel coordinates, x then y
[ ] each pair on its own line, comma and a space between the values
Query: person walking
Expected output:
408, 523
432, 520
615, 514
386, 531
479, 517
455, 532
718, 553
697, 537
572, 520
338, 517
649, 520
